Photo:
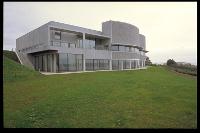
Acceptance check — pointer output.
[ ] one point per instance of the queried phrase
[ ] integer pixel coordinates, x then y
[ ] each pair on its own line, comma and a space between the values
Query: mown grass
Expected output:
11, 55
151, 98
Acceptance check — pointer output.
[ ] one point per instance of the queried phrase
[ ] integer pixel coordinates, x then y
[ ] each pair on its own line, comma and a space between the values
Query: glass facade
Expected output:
70, 62
96, 64
44, 62
90, 44
133, 63
63, 62
126, 64
124, 48
115, 48
115, 64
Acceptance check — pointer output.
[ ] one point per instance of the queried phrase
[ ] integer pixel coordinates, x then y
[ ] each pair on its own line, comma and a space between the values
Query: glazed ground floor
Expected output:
66, 62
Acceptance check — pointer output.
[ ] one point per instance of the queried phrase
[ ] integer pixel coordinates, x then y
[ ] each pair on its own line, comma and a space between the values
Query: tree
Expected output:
148, 62
171, 62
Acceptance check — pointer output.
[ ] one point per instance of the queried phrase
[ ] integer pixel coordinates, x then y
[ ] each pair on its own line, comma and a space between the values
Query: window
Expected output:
89, 64
126, 64
56, 43
127, 48
79, 44
57, 35
90, 44
122, 48
115, 65
64, 44
115, 48
72, 45
72, 62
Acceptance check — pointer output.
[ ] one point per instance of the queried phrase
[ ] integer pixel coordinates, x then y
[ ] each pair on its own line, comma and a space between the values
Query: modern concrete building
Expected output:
58, 47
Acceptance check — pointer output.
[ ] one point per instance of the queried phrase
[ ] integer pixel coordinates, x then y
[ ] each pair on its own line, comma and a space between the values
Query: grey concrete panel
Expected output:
35, 37
142, 41
125, 55
121, 33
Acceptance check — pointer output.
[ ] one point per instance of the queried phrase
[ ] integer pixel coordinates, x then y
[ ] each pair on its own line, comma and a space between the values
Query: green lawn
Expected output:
151, 98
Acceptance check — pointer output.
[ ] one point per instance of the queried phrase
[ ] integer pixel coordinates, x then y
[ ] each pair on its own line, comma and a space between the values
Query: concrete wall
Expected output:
35, 37
121, 33
74, 28
125, 55
142, 41
89, 53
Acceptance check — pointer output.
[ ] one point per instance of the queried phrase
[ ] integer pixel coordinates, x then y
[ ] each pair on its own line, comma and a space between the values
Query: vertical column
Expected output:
45, 62
54, 63
84, 52
122, 65
142, 63
110, 64
130, 64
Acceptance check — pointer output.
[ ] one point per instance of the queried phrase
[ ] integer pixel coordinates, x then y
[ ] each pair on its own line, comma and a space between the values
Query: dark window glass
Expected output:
72, 62
79, 62
89, 64
122, 48
115, 48
63, 65
49, 64
72, 45
127, 49
90, 44
115, 65
57, 35
126, 64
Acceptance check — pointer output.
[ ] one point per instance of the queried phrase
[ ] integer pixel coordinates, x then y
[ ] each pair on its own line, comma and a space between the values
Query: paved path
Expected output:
50, 73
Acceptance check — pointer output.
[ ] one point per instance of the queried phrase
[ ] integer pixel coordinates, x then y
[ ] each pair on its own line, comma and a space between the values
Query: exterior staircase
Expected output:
23, 58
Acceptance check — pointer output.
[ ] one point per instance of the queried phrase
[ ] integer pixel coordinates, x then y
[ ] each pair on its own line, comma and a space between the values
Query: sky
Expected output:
170, 27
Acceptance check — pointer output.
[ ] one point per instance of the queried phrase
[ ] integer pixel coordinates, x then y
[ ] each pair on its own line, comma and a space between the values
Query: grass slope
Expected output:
11, 55
13, 71
152, 98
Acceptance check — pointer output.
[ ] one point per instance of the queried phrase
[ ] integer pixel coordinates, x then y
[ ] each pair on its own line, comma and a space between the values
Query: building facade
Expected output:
58, 47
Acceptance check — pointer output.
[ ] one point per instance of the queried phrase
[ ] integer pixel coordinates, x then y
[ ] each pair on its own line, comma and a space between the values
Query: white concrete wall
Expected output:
37, 36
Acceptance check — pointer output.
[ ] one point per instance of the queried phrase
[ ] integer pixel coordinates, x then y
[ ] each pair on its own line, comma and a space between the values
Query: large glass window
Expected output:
79, 62
40, 63
126, 64
49, 63
64, 44
36, 62
63, 64
79, 43
136, 50
133, 64
72, 45
57, 35
90, 44
89, 64
122, 48
127, 49
115, 48
55, 43
96, 64
115, 65
72, 62
44, 64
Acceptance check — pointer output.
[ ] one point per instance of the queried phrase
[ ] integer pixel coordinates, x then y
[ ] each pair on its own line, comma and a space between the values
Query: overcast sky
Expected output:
170, 27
